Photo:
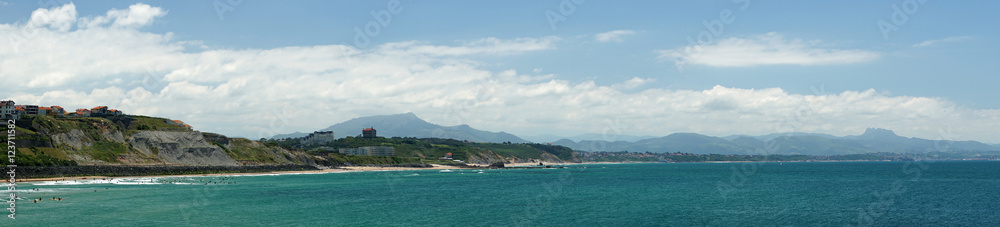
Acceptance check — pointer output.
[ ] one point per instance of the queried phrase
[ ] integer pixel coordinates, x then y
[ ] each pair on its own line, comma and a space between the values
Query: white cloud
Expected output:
260, 92
633, 83
768, 49
485, 46
938, 41
135, 16
613, 36
58, 18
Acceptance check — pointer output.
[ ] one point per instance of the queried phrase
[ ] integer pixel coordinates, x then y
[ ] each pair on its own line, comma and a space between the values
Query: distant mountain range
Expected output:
587, 136
871, 141
409, 125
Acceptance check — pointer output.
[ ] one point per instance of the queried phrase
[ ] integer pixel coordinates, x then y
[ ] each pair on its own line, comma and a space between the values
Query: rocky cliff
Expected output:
180, 147
139, 140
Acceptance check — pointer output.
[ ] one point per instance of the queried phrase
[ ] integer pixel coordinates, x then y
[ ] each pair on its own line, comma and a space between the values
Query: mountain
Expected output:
546, 138
816, 145
887, 141
609, 137
688, 143
409, 125
873, 140
746, 141
595, 145
290, 135
776, 135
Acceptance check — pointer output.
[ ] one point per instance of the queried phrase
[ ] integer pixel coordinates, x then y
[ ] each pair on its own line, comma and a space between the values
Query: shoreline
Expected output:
320, 171
347, 169
344, 169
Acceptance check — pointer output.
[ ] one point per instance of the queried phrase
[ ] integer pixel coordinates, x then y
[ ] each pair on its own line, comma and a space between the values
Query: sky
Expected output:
254, 69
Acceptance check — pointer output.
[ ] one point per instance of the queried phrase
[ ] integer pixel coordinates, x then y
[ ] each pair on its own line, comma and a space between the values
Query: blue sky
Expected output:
506, 66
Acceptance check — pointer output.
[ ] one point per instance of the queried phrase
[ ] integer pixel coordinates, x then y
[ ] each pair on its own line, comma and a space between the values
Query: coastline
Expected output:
320, 171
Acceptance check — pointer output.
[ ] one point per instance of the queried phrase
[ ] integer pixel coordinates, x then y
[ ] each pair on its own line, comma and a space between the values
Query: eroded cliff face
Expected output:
188, 148
105, 142
74, 139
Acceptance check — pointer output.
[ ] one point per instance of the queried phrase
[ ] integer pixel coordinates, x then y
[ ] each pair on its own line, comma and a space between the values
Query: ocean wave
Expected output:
33, 190
118, 181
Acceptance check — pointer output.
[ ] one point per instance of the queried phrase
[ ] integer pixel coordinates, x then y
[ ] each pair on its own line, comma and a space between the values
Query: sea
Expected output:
919, 193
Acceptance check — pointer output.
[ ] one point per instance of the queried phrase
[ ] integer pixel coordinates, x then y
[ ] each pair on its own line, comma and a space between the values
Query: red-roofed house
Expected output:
58, 111
368, 133
44, 110
114, 112
181, 123
28, 109
99, 111
82, 113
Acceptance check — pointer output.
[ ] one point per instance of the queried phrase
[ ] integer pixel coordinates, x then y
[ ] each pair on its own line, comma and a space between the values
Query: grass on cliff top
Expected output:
66, 124
155, 123
434, 148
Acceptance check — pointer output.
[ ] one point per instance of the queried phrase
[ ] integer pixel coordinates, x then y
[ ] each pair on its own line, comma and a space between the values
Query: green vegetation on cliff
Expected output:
47, 140
428, 150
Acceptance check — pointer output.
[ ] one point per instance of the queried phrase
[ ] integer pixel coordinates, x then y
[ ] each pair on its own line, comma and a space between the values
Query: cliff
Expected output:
138, 140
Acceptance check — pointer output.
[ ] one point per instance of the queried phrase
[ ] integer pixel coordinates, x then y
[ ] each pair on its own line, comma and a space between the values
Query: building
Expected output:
179, 123
368, 133
99, 111
58, 111
82, 113
28, 109
371, 150
318, 137
7, 110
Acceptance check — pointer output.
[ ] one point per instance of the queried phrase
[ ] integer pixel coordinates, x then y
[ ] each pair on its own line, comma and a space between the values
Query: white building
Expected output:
318, 137
7, 110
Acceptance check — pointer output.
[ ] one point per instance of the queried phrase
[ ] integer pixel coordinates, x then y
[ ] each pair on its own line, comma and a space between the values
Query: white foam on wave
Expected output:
29, 191
118, 181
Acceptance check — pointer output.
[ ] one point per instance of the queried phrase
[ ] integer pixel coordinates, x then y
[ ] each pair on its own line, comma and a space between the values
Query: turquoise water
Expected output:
721, 194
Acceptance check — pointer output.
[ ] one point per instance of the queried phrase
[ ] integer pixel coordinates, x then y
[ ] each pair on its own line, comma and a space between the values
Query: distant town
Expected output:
10, 111
324, 138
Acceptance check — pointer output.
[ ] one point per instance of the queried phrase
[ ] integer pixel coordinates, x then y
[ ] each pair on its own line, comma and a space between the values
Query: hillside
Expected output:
429, 150
151, 141
136, 140
409, 125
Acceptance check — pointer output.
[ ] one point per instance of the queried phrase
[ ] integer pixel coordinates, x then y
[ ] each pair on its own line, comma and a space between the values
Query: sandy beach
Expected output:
341, 169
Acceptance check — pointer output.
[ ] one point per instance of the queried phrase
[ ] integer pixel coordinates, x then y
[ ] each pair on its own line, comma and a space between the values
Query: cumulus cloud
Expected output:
768, 49
135, 16
613, 36
59, 18
261, 92
633, 83
485, 46
939, 41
